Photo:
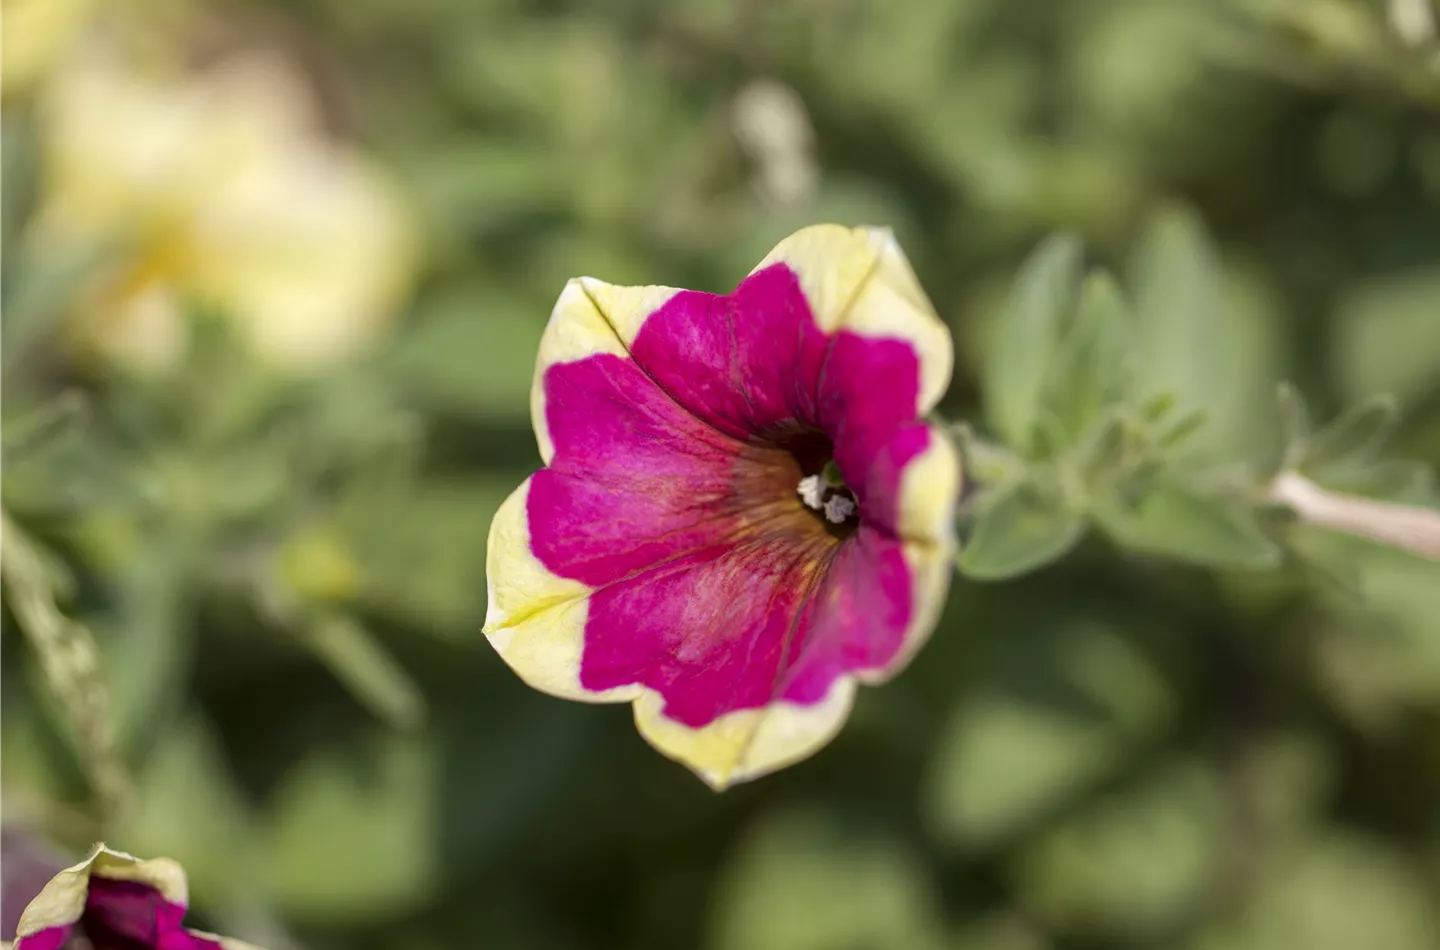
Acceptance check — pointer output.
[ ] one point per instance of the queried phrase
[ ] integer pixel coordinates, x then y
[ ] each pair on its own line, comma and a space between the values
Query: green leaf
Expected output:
1402, 480
70, 663
40, 428
1293, 433
1068, 705
987, 463
43, 288
1008, 930
1028, 339
1354, 436
1091, 372
473, 352
804, 881
189, 808
1338, 893
1380, 658
1176, 286
1386, 337
19, 164
1176, 520
422, 552
353, 832
1132, 864
359, 661
1019, 531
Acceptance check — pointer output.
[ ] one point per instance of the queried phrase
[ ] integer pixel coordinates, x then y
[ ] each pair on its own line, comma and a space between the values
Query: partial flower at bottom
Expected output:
743, 511
115, 902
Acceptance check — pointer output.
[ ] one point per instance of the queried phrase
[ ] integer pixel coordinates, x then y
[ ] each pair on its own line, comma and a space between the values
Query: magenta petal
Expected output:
742, 626
635, 479
123, 913
708, 631
51, 938
754, 360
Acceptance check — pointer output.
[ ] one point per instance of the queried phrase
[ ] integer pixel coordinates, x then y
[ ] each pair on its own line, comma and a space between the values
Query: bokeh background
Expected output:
274, 275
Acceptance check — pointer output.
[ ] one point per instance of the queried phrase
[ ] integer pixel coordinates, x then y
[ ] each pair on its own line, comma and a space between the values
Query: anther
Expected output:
812, 492
839, 509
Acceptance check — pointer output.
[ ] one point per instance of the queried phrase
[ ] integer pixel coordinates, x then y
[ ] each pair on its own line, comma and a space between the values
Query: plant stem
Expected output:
1406, 527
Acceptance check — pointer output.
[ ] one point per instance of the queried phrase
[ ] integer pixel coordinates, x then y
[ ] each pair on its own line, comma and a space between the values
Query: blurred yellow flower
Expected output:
36, 33
219, 187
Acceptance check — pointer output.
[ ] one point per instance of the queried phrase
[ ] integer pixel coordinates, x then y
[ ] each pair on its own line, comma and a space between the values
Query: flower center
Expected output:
827, 493
787, 483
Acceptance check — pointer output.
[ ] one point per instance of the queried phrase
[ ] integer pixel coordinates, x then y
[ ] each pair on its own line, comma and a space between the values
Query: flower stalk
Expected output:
1405, 527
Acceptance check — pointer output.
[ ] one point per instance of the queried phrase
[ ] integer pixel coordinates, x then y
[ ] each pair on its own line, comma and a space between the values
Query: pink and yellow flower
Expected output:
116, 901
743, 511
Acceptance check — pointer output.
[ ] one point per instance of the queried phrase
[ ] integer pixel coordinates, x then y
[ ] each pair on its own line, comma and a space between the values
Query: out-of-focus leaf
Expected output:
1399, 480
1026, 344
351, 833
1282, 783
69, 663
987, 463
1291, 435
1176, 520
187, 807
370, 673
481, 187
1387, 337
424, 555
18, 166
800, 882
1337, 893
1176, 285
1380, 657
147, 639
43, 425
1091, 371
1008, 931
1135, 862
1019, 531
1355, 435
1203, 335
473, 352
1066, 708
42, 289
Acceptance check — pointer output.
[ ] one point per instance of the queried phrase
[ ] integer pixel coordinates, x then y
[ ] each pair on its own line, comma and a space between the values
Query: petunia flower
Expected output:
116, 901
36, 33
743, 511
218, 186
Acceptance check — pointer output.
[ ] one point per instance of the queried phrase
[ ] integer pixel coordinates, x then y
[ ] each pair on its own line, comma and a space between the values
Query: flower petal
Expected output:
535, 620
860, 280
748, 655
122, 900
765, 356
748, 743
138, 900
577, 329
634, 480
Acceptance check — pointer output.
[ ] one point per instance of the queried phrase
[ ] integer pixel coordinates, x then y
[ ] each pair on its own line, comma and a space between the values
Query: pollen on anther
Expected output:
812, 492
839, 509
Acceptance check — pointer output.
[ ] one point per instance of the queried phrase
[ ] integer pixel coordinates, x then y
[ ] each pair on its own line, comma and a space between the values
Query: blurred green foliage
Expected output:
283, 576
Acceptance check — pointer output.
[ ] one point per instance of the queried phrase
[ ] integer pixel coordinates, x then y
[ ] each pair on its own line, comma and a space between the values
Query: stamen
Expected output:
839, 509
811, 492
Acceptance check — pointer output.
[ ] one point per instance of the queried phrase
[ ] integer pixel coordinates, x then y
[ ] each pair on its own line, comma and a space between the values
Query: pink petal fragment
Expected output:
635, 480
739, 627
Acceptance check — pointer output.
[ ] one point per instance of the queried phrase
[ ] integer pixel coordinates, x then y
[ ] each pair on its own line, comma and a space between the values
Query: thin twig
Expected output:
1406, 527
